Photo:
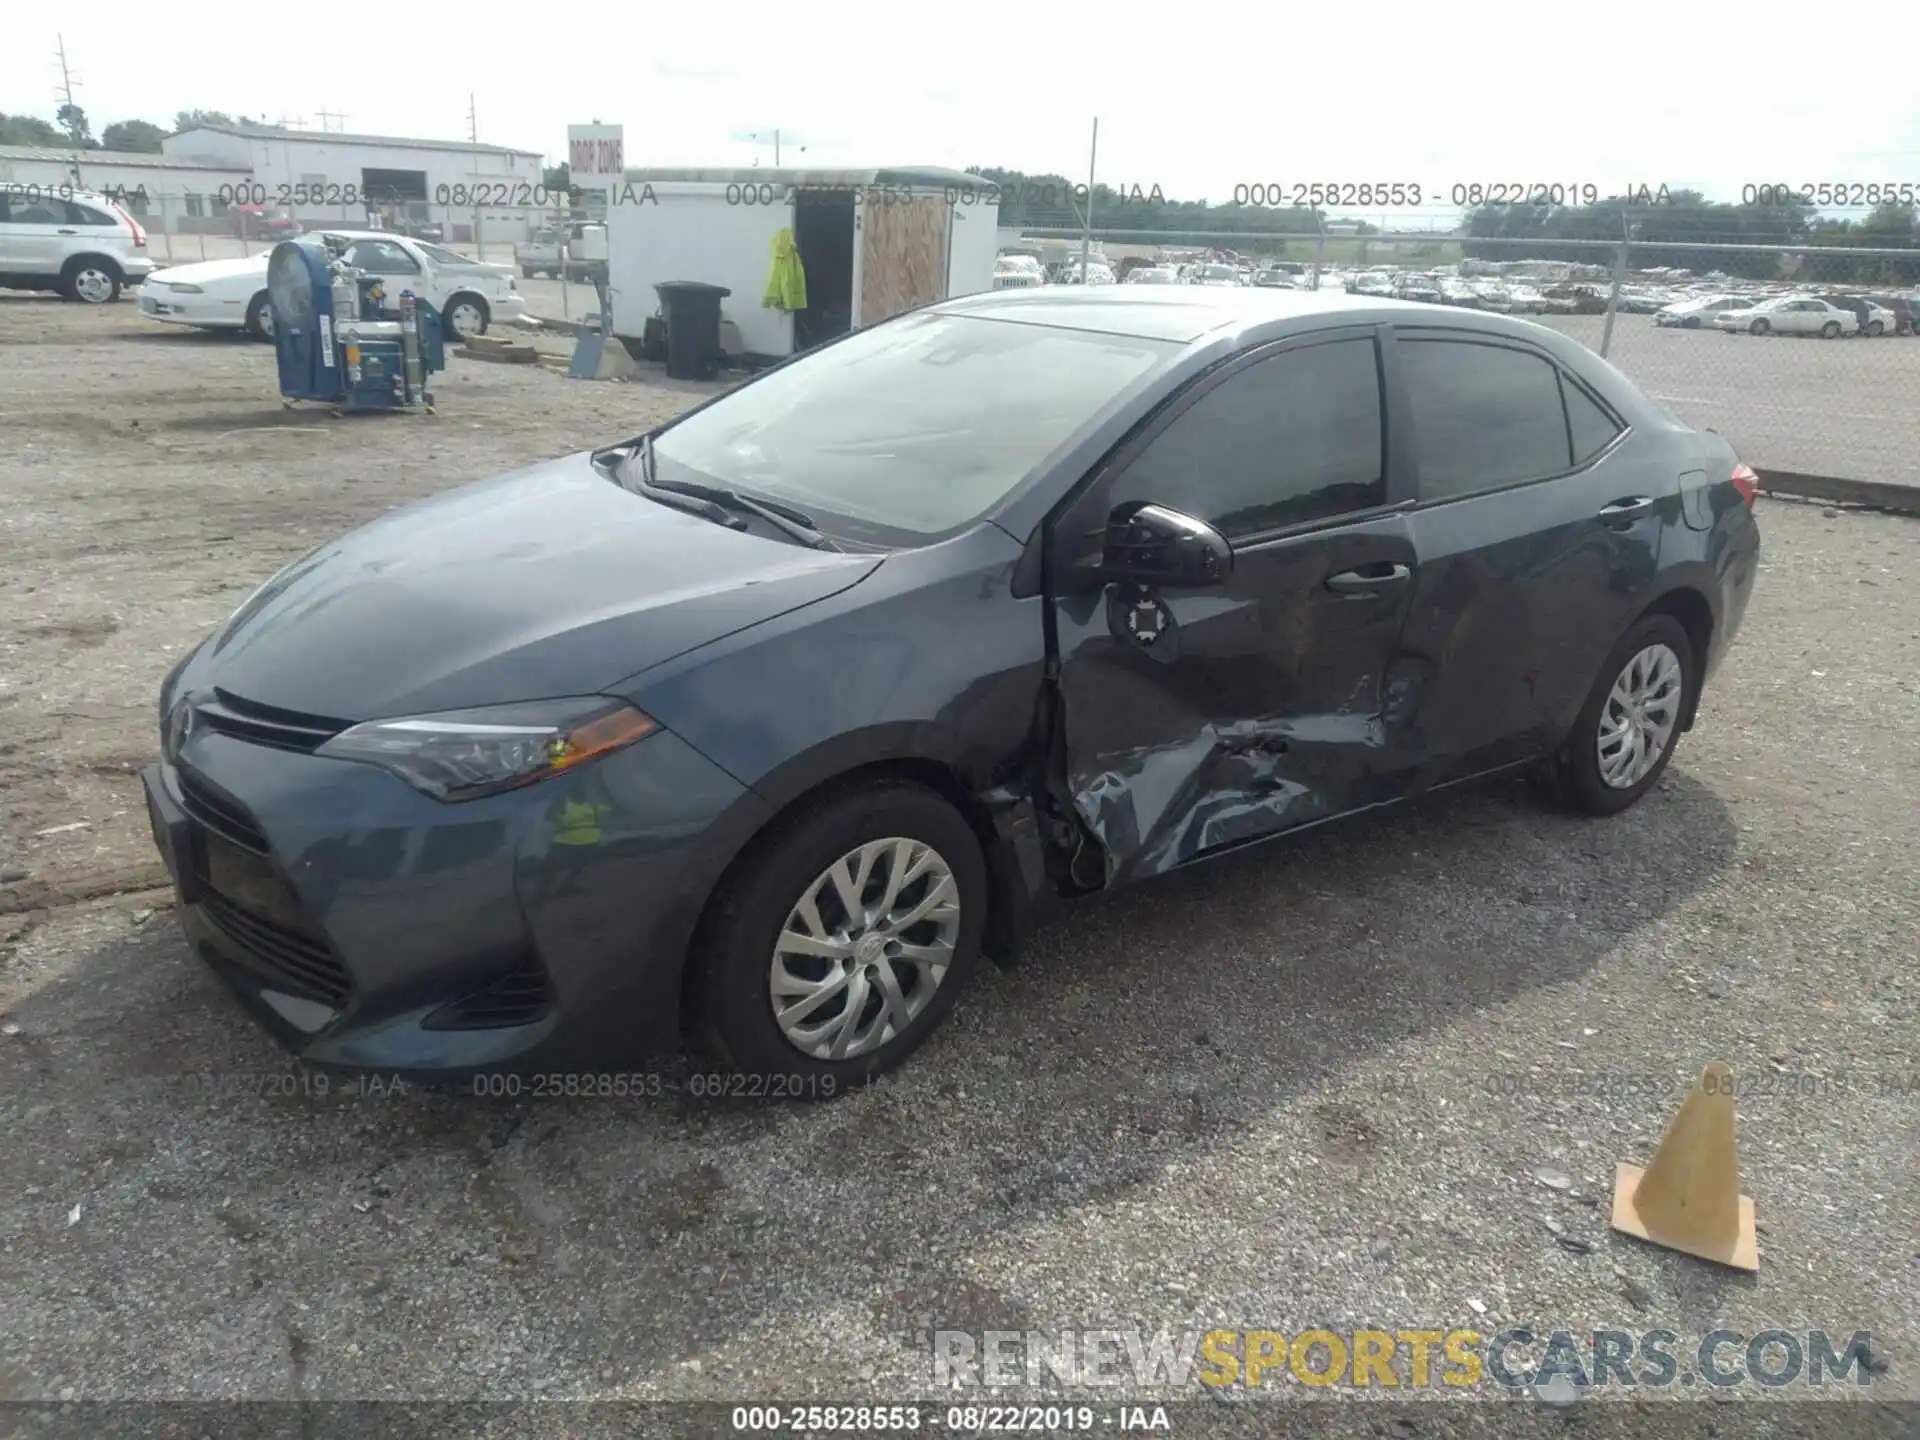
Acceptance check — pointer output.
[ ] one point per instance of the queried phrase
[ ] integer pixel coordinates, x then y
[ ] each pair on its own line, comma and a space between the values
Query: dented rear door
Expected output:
1195, 720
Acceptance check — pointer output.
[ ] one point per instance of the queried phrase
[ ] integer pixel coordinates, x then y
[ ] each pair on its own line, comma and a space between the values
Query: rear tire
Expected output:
1875, 329
1576, 770
739, 951
1830, 330
259, 322
90, 281
1692, 322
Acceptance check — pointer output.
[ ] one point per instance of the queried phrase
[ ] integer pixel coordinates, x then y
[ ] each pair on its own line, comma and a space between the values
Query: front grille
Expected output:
220, 813
229, 714
295, 963
520, 998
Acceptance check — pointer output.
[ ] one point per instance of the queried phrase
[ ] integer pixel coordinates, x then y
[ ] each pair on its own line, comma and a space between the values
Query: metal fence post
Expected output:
1613, 297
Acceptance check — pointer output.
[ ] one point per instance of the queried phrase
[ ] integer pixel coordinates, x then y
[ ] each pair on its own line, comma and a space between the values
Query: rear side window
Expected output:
87, 215
1484, 416
1292, 438
1590, 428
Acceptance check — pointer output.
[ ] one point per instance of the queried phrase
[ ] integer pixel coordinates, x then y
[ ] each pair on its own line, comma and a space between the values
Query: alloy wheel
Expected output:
865, 948
465, 320
1637, 722
93, 285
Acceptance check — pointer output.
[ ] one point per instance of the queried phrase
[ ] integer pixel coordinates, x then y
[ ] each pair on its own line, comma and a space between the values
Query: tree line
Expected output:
71, 130
1667, 225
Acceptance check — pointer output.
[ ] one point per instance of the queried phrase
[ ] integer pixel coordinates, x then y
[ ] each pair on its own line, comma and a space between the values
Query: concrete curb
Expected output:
1869, 494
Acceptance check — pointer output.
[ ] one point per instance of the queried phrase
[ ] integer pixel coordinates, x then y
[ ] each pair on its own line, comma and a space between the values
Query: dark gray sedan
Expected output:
772, 721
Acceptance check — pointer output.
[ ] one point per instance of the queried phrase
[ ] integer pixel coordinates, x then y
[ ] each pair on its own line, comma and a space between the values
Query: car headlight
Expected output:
180, 289
464, 754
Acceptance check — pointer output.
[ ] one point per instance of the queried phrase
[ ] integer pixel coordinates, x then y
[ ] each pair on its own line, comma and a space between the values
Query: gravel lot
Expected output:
1309, 1086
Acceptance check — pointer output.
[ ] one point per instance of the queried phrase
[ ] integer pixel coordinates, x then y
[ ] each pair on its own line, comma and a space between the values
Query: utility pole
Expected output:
1086, 234
66, 94
473, 139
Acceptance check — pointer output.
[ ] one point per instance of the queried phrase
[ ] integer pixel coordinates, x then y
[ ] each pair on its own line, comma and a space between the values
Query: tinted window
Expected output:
1484, 416
38, 212
1590, 427
443, 257
87, 215
1292, 438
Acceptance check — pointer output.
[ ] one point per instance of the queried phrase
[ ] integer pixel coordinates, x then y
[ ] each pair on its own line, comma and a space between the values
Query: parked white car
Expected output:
1790, 315
232, 294
1216, 275
1692, 314
1017, 272
78, 242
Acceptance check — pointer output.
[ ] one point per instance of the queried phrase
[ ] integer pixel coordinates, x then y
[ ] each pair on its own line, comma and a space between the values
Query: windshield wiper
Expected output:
785, 518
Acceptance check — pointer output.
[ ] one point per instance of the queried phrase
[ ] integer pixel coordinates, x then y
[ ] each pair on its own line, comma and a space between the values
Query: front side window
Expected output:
441, 256
914, 429
381, 257
1484, 416
1292, 438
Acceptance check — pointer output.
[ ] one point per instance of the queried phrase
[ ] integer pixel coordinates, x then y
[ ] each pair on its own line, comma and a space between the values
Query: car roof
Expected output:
1242, 314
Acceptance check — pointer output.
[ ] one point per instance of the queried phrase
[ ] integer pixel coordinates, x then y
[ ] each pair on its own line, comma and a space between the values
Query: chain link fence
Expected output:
1805, 356
1804, 353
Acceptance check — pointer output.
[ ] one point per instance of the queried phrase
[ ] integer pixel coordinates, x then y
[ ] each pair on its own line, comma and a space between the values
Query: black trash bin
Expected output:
693, 327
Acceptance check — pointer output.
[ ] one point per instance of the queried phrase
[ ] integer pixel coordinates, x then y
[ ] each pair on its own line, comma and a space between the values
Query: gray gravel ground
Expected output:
1304, 1087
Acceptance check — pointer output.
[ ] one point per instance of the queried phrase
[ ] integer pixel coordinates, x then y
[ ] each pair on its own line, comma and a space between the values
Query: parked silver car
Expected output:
78, 242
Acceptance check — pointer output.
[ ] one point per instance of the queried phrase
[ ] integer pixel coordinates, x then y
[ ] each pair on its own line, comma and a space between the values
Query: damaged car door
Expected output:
1225, 597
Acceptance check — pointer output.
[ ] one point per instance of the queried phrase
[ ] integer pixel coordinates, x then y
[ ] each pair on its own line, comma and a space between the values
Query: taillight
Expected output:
1746, 482
139, 234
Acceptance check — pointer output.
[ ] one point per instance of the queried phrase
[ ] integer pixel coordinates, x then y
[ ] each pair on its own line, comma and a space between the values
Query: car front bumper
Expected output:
372, 928
176, 308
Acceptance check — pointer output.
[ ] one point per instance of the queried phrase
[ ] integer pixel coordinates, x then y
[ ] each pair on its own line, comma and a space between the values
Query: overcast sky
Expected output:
1195, 101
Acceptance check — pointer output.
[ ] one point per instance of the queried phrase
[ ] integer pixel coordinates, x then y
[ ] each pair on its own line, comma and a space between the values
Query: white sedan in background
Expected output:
1790, 315
232, 294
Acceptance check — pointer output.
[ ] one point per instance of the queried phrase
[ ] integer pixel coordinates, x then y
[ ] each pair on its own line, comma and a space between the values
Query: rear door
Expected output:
1197, 719
1537, 529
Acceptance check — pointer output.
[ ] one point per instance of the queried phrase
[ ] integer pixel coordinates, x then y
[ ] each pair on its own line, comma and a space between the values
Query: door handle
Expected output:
66, 232
1368, 577
1630, 508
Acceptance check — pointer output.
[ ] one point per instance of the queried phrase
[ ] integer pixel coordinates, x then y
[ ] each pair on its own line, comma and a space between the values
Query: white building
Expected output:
135, 179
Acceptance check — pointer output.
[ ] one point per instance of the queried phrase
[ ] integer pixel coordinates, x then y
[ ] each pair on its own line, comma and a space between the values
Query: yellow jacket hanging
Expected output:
787, 285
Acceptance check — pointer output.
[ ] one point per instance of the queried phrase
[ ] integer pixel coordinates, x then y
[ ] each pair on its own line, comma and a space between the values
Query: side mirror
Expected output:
1152, 545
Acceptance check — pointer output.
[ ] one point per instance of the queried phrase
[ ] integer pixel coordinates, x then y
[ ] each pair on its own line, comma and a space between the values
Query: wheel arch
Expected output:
486, 310
105, 261
1010, 894
1694, 611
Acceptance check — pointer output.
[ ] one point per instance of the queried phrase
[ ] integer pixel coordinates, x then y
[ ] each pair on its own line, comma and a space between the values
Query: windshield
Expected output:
913, 430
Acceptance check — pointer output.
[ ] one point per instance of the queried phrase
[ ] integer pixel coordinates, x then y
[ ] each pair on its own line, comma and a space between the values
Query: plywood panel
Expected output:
903, 255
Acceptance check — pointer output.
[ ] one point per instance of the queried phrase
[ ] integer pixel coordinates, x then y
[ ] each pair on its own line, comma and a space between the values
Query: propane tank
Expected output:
410, 346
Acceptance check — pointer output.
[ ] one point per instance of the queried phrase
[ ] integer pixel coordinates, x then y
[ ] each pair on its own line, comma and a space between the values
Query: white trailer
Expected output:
872, 243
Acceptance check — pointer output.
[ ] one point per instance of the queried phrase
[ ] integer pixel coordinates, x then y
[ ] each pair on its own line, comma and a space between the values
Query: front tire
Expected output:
1692, 322
844, 940
1759, 327
1875, 329
260, 318
466, 317
1628, 729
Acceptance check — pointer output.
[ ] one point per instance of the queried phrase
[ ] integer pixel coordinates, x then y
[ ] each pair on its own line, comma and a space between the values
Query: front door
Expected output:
1200, 719
34, 232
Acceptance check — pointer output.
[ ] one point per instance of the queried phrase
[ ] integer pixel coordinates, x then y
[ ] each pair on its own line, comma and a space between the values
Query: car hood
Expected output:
550, 581
206, 271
